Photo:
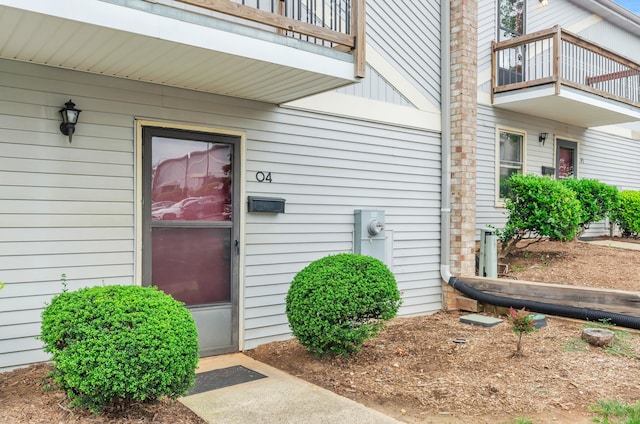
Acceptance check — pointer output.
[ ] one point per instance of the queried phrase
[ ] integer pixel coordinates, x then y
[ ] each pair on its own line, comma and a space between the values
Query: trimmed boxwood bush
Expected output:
539, 207
627, 214
597, 199
120, 343
339, 301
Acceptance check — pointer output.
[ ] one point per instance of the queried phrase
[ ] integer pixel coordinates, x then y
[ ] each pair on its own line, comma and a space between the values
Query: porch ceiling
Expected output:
220, 57
571, 106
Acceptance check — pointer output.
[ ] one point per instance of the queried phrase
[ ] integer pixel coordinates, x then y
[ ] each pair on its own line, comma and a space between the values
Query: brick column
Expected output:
464, 96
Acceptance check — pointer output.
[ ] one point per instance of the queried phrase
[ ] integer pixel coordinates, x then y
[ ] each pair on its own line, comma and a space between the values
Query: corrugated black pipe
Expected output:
586, 314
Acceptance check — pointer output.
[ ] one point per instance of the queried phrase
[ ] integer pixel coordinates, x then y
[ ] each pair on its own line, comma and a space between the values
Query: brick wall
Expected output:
464, 89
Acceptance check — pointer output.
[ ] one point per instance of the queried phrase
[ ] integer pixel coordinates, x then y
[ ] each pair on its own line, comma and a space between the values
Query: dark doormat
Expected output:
224, 377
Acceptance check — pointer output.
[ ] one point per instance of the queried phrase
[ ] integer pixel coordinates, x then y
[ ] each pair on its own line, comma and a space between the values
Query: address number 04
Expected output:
261, 177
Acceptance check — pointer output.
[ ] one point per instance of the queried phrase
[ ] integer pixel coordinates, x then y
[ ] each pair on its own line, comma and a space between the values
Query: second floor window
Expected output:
510, 18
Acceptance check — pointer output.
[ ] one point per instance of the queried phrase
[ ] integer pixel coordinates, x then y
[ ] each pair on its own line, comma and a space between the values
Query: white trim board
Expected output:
338, 104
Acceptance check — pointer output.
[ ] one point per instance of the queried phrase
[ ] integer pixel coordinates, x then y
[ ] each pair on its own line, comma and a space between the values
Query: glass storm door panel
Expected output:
189, 233
566, 159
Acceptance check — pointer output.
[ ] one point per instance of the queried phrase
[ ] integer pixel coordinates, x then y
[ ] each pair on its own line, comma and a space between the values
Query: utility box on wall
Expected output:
369, 233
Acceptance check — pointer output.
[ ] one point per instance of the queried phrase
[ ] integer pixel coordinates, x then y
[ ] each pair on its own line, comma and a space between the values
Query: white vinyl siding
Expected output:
70, 208
407, 34
375, 87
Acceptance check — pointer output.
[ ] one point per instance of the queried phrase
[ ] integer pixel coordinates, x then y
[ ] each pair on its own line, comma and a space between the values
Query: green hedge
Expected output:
539, 207
597, 199
120, 343
337, 302
627, 214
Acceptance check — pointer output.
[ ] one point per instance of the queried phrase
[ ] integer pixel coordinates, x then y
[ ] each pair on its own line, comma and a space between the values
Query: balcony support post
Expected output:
358, 30
557, 58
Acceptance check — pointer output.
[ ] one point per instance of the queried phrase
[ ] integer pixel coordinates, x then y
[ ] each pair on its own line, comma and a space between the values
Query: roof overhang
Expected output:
173, 47
570, 106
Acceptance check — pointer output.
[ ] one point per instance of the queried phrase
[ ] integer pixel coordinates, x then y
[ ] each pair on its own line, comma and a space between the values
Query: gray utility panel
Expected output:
369, 233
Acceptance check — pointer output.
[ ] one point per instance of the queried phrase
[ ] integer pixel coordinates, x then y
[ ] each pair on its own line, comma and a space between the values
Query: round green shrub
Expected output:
627, 213
596, 198
120, 343
337, 302
539, 207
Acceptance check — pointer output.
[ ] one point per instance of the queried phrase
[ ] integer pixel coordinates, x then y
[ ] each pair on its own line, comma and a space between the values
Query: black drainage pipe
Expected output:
586, 314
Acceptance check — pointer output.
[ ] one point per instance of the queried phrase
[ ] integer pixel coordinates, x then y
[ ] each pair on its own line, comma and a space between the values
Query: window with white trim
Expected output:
510, 158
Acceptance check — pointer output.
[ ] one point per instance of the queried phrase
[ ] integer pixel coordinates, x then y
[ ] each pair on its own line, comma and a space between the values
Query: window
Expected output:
510, 159
511, 18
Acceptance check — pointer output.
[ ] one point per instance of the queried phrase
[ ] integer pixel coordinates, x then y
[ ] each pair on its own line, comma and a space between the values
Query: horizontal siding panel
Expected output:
44, 234
33, 220
15, 164
21, 359
59, 180
39, 144
431, 286
274, 299
21, 317
417, 310
64, 194
16, 289
266, 321
23, 303
261, 334
20, 344
301, 257
417, 301
20, 330
264, 311
96, 272
77, 259
281, 246
67, 207
64, 247
266, 338
268, 280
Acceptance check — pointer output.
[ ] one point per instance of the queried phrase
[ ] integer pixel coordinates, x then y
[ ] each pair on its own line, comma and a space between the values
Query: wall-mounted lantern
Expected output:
544, 2
542, 137
69, 119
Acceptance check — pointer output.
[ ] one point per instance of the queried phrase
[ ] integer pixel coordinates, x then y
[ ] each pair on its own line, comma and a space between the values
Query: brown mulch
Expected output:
416, 372
24, 398
577, 264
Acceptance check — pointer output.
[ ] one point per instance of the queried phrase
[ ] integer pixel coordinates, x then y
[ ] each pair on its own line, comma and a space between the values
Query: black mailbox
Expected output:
547, 170
266, 204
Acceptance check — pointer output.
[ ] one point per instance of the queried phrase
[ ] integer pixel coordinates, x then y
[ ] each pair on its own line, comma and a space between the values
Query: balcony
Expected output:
267, 50
557, 75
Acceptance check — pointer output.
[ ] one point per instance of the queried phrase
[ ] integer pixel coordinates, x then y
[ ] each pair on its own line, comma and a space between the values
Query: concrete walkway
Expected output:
279, 398
614, 243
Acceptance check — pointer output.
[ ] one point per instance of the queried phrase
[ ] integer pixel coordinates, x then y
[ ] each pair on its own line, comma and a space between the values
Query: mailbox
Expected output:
266, 204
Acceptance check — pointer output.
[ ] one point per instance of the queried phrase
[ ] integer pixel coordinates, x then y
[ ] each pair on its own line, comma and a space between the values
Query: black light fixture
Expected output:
69, 119
542, 137
544, 2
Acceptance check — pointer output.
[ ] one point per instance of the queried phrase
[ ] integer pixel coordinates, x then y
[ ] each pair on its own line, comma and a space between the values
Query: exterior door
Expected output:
190, 232
566, 159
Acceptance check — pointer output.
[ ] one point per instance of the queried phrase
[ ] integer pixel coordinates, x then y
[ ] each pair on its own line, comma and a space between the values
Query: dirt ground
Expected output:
432, 369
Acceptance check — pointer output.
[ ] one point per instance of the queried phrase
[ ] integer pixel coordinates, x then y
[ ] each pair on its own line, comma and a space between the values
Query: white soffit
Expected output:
570, 106
103, 38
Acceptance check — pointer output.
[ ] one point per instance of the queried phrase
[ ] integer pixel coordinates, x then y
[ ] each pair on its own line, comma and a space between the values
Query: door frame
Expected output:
240, 206
567, 143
